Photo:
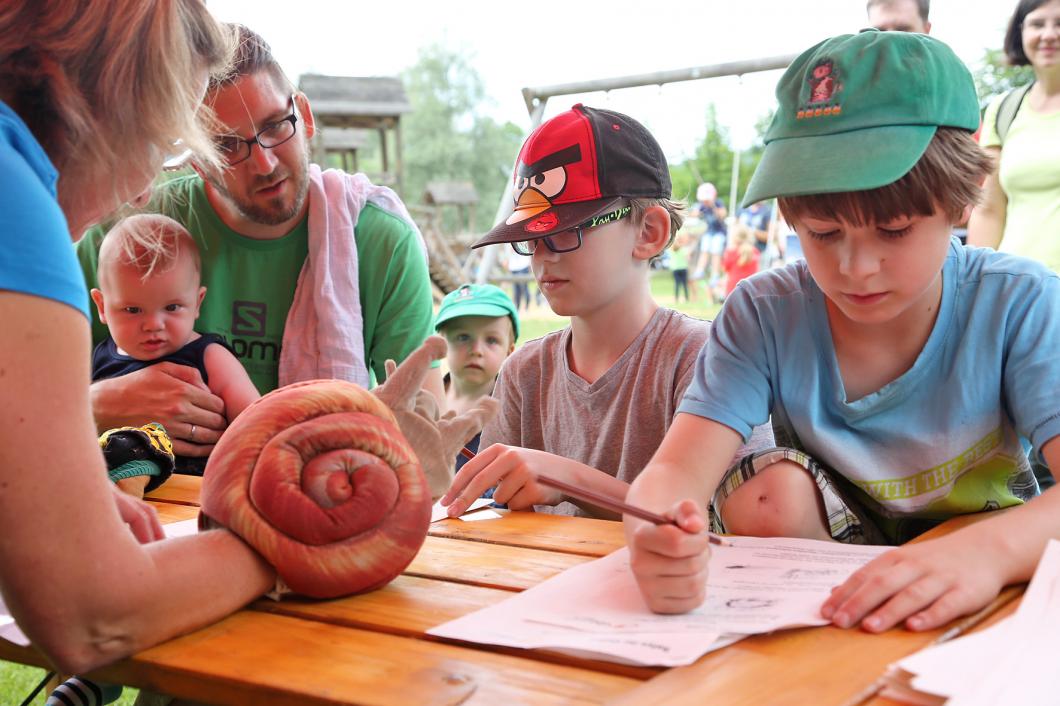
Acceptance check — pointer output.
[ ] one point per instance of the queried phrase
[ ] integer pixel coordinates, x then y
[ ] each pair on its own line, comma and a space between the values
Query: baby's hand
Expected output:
926, 585
670, 562
514, 471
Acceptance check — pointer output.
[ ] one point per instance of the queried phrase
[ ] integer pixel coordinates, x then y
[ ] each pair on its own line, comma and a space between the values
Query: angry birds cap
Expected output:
857, 112
578, 165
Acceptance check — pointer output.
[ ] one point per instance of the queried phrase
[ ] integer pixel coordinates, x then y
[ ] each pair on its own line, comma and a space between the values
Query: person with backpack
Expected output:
1020, 210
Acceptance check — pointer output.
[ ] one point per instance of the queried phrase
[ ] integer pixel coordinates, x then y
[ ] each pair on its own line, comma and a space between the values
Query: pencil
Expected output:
607, 502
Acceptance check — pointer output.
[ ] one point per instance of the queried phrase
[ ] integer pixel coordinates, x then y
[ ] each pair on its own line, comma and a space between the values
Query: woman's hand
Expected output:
139, 516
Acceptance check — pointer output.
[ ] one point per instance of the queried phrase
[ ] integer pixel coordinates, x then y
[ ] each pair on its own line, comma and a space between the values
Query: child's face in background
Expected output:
151, 318
478, 346
879, 272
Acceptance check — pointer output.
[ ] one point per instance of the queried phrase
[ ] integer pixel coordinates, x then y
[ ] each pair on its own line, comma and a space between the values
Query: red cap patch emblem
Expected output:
542, 224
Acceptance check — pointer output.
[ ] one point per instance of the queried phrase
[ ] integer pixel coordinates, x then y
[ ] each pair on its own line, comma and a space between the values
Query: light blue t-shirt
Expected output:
940, 440
36, 254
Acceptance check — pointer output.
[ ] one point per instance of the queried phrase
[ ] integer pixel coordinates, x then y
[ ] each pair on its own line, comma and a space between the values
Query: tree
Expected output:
996, 75
446, 137
713, 162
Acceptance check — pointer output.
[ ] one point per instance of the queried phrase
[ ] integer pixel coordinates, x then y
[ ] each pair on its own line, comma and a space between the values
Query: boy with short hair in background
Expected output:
481, 326
588, 404
900, 366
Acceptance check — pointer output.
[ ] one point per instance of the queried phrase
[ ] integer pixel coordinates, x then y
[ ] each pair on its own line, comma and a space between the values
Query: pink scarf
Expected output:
323, 337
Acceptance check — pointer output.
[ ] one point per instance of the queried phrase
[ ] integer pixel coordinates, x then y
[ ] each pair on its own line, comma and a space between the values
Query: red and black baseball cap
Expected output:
578, 165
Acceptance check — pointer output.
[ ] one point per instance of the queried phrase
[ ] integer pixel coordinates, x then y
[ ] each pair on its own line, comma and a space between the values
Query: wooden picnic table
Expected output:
373, 648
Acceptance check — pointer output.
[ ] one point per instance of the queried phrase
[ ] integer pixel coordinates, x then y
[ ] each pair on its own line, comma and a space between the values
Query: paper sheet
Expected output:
9, 629
1013, 661
756, 585
182, 528
438, 512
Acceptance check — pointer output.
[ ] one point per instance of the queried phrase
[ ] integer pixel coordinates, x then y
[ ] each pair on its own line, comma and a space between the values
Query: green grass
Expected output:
16, 681
539, 319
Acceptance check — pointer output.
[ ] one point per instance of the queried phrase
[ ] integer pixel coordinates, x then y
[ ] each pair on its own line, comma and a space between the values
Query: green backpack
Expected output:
1010, 105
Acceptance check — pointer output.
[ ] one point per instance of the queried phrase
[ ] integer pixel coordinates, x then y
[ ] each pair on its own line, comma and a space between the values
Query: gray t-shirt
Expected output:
614, 424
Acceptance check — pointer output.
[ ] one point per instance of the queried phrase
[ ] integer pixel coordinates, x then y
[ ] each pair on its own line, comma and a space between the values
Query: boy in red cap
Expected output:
588, 404
899, 366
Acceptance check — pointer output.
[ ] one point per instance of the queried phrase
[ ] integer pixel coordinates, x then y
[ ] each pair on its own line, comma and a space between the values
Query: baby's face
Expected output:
151, 318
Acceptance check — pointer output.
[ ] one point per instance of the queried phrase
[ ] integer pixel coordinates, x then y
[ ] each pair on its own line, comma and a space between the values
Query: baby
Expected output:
149, 297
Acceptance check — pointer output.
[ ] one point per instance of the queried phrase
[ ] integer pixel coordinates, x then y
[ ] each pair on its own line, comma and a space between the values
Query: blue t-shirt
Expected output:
943, 438
36, 253
708, 215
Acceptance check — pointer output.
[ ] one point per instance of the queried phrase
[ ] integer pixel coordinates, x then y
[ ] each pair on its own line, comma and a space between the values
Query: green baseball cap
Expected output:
477, 300
857, 111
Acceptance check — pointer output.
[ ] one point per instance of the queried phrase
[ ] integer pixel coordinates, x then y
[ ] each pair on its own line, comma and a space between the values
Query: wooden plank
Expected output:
822, 666
409, 606
273, 660
179, 489
499, 566
558, 533
173, 512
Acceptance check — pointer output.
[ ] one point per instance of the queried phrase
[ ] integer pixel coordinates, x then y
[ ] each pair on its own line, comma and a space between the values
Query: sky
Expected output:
551, 42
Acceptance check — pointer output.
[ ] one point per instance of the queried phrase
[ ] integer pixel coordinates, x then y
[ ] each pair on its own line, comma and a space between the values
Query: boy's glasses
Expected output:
569, 240
235, 149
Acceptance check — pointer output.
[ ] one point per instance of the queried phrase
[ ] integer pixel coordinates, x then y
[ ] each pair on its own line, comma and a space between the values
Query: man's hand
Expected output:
925, 585
514, 471
670, 562
140, 516
172, 395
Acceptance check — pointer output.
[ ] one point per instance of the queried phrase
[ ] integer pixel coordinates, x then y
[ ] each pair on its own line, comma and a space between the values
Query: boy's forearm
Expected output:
597, 481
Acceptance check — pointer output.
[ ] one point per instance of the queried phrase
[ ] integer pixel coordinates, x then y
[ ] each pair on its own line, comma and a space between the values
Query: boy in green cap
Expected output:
899, 366
481, 326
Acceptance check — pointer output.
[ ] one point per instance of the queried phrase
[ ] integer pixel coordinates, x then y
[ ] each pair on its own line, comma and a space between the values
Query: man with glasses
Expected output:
296, 294
589, 404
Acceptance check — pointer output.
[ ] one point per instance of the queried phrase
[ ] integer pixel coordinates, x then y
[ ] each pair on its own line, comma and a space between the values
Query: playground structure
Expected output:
349, 110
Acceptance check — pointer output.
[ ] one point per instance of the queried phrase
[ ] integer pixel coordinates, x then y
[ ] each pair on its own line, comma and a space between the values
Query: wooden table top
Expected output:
373, 648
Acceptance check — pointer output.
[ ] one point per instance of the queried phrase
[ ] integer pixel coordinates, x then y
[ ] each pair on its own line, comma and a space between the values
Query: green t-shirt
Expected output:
250, 283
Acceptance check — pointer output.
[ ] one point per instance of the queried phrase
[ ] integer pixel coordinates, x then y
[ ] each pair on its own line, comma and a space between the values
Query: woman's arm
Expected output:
986, 225
74, 576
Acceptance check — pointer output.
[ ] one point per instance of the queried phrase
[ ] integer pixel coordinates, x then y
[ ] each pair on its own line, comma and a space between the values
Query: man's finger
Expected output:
183, 448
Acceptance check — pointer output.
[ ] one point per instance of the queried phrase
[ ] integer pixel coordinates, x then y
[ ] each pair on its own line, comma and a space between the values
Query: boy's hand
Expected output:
670, 562
926, 585
514, 471
172, 395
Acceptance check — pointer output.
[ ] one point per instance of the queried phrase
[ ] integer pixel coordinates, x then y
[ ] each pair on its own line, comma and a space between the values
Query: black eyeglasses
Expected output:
235, 149
569, 240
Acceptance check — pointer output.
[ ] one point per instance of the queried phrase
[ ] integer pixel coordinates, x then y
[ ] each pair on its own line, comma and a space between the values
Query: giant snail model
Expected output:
333, 484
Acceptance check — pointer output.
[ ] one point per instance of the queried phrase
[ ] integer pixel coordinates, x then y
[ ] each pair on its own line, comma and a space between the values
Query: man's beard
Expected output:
274, 211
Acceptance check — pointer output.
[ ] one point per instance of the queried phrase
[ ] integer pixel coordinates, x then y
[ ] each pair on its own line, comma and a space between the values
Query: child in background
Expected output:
679, 254
588, 404
149, 297
741, 257
900, 366
481, 326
